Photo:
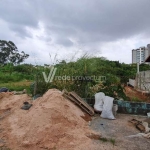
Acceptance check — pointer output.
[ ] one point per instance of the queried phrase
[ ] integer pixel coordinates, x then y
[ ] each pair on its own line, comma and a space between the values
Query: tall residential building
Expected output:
148, 47
139, 55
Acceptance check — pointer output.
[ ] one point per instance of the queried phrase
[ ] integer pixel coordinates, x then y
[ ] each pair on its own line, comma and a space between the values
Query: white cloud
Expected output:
73, 28
121, 50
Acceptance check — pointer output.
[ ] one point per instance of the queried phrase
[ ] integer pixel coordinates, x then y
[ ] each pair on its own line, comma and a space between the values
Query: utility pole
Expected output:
138, 66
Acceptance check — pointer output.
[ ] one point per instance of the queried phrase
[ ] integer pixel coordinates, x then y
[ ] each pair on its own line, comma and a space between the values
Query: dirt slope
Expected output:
132, 94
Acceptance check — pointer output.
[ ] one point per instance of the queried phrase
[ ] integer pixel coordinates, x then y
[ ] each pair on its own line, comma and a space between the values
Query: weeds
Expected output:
84, 68
104, 139
111, 140
135, 99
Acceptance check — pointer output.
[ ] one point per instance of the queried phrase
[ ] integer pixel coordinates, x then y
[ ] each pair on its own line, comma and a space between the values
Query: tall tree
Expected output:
9, 53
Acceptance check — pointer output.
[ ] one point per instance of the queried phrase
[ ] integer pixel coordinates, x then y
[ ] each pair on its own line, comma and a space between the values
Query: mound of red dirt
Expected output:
52, 122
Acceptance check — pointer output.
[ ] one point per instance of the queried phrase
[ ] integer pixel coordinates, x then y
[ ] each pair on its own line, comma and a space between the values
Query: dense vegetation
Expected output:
86, 76
117, 74
83, 70
16, 77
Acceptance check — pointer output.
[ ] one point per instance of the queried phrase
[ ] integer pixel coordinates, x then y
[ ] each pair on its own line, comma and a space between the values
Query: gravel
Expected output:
118, 130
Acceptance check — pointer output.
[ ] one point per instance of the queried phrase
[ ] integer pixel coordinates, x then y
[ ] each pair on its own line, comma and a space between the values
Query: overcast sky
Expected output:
71, 28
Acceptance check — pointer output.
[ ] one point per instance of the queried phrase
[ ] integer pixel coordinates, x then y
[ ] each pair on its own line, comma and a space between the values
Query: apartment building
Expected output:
139, 55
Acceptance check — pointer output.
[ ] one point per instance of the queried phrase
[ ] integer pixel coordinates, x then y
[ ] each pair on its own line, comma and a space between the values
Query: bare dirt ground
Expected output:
119, 130
55, 123
132, 93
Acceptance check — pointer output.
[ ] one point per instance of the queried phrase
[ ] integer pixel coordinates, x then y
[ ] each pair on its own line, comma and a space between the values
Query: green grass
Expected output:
135, 99
111, 140
87, 66
14, 77
104, 139
17, 86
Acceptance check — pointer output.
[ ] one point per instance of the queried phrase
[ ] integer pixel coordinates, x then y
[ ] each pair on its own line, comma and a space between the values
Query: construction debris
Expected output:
26, 106
147, 135
138, 125
4, 89
142, 126
72, 96
107, 108
20, 92
140, 135
147, 129
105, 105
99, 101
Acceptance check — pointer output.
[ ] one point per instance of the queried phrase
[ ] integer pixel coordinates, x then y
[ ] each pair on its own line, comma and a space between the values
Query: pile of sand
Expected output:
52, 122
5, 95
